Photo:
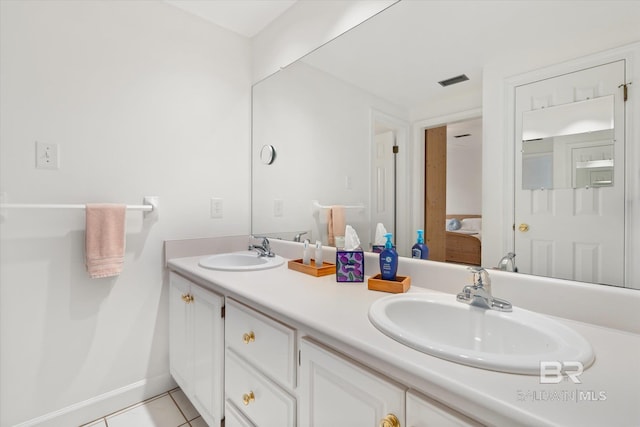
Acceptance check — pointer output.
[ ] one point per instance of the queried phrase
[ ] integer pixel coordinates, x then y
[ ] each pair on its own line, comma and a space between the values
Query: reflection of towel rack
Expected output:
354, 214
316, 208
149, 205
316, 205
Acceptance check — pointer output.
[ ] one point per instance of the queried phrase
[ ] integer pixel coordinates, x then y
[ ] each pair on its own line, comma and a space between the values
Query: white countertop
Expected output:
337, 314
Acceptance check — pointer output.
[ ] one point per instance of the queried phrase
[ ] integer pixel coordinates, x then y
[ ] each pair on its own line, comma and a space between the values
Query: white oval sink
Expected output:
240, 261
513, 342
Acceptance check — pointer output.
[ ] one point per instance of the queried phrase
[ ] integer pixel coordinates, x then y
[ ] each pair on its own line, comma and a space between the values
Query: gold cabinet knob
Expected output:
187, 298
524, 228
390, 421
248, 398
248, 337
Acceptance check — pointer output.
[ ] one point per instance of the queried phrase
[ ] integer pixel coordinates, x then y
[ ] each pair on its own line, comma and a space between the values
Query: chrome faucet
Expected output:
479, 294
297, 237
264, 249
506, 261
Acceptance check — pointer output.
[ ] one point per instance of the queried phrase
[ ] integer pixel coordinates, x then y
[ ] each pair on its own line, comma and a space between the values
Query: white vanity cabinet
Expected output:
260, 367
196, 348
336, 391
425, 412
244, 368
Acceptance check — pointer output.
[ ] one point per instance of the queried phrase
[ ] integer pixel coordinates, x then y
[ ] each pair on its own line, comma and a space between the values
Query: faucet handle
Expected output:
478, 273
297, 237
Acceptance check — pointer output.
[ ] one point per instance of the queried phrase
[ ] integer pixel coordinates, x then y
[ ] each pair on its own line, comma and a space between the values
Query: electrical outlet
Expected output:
3, 212
47, 156
278, 207
348, 182
216, 208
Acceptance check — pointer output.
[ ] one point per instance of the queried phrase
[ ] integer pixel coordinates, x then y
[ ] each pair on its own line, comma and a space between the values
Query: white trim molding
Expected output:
106, 403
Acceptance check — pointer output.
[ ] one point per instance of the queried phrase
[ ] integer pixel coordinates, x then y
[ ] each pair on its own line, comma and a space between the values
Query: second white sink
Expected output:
514, 342
240, 261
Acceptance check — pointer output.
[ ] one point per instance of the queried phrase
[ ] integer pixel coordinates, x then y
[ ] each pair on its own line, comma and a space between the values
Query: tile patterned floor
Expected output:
171, 409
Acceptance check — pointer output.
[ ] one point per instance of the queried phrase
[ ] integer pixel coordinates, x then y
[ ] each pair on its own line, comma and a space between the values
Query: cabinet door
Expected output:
234, 418
180, 350
336, 392
196, 346
208, 354
425, 412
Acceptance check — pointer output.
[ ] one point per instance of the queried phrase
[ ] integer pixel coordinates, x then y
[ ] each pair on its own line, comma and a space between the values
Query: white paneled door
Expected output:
383, 203
577, 231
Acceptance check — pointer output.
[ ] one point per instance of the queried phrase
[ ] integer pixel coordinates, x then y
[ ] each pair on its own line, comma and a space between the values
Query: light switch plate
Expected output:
216, 207
47, 156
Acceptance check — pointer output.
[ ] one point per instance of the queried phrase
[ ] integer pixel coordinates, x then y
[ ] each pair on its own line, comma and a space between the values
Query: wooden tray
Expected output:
324, 270
398, 286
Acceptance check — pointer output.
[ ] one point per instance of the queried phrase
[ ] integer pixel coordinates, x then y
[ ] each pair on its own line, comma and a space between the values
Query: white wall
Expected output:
142, 99
295, 111
464, 186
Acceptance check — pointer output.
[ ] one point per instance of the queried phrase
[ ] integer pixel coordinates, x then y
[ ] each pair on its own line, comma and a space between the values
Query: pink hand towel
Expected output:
337, 224
104, 244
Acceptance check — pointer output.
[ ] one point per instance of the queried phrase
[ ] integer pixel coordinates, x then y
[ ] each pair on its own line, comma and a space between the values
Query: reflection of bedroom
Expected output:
464, 192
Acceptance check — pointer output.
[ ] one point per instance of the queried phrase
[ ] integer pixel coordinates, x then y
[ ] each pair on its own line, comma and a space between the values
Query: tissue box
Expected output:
349, 266
379, 248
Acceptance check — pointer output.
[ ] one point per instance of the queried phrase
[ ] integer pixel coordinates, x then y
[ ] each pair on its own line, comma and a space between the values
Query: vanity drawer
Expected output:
265, 343
260, 400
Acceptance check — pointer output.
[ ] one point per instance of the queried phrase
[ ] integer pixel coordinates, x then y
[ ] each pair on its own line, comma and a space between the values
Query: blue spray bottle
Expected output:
388, 260
420, 250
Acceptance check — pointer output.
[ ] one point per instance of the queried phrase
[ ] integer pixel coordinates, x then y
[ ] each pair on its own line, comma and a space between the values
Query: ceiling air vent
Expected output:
453, 80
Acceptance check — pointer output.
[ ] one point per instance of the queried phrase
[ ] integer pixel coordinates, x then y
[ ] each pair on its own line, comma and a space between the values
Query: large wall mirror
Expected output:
336, 116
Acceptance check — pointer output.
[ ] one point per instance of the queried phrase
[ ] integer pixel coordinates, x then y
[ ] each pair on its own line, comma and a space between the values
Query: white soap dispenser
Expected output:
306, 259
318, 258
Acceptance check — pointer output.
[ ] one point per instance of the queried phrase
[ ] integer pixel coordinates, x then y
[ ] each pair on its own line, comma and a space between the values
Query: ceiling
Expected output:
244, 17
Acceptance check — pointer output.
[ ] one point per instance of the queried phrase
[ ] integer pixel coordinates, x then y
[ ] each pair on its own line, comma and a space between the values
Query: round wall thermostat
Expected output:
267, 154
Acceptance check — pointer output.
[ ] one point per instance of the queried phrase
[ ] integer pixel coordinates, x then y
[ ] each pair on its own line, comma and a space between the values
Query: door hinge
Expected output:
222, 311
625, 90
299, 357
396, 149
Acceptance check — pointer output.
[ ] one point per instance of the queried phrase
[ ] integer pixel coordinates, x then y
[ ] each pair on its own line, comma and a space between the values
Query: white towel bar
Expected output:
317, 205
150, 204
145, 208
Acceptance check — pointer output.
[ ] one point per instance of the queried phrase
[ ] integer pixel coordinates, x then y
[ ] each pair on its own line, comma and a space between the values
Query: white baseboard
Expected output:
104, 404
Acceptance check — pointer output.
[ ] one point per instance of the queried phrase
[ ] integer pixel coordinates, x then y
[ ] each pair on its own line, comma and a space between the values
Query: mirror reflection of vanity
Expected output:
322, 114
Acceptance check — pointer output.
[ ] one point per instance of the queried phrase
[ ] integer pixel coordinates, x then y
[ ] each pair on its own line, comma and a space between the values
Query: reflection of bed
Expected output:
464, 245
